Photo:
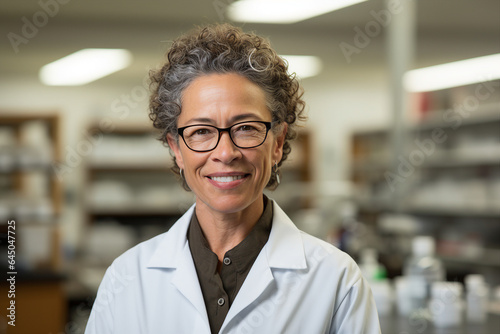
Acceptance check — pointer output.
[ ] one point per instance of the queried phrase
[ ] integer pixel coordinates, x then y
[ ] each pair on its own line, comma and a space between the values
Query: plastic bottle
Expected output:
422, 269
446, 305
375, 273
371, 269
476, 298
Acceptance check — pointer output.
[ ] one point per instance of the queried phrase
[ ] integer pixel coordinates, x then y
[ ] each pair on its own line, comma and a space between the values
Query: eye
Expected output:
246, 128
202, 131
199, 131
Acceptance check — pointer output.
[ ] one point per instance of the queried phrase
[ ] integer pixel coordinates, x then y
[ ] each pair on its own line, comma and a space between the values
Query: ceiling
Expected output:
145, 28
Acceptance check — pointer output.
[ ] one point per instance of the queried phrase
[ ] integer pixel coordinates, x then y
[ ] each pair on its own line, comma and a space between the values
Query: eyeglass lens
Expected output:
243, 135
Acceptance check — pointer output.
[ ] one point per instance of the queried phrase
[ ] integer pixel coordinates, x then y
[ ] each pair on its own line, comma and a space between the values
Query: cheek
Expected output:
192, 161
265, 163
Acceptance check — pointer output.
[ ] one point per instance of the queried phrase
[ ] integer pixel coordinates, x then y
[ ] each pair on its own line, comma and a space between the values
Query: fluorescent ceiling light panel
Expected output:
84, 66
303, 66
283, 11
459, 73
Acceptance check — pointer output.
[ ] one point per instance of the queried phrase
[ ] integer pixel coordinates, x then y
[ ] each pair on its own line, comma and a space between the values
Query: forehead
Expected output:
220, 97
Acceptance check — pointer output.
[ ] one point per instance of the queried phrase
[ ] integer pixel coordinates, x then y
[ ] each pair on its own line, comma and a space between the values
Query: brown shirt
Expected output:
219, 290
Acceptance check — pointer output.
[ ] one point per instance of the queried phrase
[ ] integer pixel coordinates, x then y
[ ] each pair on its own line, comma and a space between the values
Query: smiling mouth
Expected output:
227, 178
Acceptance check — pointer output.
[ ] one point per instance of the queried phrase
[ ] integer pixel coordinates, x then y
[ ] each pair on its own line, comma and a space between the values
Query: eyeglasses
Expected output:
204, 138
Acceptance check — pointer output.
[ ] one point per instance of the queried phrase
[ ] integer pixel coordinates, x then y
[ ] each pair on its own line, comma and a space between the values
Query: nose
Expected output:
226, 151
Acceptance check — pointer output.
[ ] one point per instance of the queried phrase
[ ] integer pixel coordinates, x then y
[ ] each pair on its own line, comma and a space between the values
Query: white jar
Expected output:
383, 295
422, 269
403, 295
446, 306
476, 298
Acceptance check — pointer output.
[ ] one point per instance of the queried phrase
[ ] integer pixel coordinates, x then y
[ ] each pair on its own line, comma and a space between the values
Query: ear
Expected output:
174, 145
279, 142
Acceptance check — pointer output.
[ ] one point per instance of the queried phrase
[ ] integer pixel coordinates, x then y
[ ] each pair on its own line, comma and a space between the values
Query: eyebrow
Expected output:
233, 119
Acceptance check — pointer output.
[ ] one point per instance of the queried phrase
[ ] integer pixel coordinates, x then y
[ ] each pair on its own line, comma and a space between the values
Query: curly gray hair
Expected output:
223, 48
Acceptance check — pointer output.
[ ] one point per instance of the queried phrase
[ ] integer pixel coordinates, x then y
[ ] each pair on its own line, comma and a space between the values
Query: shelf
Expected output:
428, 210
369, 165
454, 159
23, 169
485, 115
458, 211
373, 206
22, 221
130, 166
39, 275
489, 258
138, 128
137, 211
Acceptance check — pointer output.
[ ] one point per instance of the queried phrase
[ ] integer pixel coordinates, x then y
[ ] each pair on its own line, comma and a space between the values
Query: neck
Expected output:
224, 231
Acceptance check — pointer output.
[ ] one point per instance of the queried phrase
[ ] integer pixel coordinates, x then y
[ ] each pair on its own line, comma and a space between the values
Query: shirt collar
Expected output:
242, 255
284, 248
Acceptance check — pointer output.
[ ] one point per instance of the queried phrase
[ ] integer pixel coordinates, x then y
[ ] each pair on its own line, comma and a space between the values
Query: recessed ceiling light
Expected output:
303, 66
458, 73
84, 66
280, 11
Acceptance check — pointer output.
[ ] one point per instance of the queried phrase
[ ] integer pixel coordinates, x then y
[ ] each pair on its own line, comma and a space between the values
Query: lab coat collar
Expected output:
173, 252
284, 248
171, 248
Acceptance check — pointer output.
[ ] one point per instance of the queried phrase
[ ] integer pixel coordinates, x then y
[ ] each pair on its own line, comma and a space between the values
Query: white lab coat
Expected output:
297, 284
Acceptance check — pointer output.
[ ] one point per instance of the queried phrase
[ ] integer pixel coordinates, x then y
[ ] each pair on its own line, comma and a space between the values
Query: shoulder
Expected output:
339, 277
324, 256
324, 263
322, 259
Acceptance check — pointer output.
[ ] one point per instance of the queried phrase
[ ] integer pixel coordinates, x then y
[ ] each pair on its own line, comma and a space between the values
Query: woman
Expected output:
234, 263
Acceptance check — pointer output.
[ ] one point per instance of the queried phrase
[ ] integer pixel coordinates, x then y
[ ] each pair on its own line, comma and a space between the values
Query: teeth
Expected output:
226, 178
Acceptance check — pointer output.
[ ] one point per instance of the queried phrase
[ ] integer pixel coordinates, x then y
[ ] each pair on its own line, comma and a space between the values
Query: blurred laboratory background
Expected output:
398, 163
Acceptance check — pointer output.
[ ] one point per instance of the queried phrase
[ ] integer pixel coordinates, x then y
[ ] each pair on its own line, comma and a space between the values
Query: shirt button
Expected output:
227, 261
221, 301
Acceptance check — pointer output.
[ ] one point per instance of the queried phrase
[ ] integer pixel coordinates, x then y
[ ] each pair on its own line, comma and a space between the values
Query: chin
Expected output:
229, 204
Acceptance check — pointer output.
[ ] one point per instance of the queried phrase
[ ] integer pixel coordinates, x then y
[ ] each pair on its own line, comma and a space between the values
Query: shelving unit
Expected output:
31, 191
31, 194
294, 192
128, 180
451, 185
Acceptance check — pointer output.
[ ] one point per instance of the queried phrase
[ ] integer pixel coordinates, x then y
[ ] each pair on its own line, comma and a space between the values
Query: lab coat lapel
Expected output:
174, 253
283, 250
186, 281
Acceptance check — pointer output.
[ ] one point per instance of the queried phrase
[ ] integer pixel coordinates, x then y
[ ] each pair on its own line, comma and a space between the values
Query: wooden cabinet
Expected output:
40, 306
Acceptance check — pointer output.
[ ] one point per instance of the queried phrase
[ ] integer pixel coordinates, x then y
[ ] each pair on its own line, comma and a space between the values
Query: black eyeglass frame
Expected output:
180, 132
